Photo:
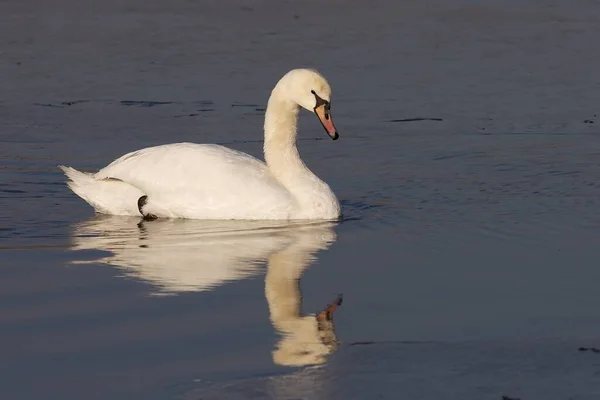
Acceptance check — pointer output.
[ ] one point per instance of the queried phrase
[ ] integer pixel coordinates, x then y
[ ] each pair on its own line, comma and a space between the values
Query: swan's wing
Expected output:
202, 181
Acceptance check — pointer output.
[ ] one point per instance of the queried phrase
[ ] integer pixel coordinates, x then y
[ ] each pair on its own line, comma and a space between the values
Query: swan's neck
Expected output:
313, 197
281, 152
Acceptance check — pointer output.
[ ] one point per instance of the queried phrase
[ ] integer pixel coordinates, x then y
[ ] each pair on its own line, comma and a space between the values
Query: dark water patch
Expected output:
13, 191
262, 140
62, 104
540, 133
244, 105
49, 105
590, 120
358, 211
463, 155
390, 342
416, 119
504, 167
23, 197
359, 205
44, 183
186, 115
590, 349
361, 343
70, 103
35, 247
203, 102
37, 141
558, 172
144, 103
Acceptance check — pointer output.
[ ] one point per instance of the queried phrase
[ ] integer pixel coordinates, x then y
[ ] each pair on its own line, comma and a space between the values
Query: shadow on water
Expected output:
176, 256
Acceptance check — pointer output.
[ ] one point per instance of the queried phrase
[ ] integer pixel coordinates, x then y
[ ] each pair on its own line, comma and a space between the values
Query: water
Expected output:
467, 169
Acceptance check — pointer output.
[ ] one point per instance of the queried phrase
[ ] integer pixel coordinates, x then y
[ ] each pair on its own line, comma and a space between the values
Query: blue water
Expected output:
467, 169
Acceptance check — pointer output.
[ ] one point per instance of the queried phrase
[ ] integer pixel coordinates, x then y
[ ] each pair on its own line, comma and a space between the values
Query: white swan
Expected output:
208, 181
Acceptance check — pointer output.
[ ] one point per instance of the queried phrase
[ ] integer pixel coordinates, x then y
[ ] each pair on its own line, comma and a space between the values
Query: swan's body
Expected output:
207, 181
188, 180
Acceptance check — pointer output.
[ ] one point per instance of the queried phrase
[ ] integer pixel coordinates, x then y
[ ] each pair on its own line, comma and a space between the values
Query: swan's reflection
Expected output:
186, 255
306, 339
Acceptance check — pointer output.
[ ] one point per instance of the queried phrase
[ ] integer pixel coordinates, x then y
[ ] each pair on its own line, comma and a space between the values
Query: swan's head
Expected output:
310, 90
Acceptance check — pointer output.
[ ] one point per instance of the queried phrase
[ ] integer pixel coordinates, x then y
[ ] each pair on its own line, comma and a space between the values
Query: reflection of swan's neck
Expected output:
281, 152
282, 288
301, 342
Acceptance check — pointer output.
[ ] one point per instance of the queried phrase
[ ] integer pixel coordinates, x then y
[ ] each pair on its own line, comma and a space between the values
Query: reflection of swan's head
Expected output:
311, 91
310, 340
302, 347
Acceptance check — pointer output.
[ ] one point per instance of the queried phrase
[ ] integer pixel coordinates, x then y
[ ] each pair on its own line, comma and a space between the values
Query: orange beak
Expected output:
327, 313
324, 115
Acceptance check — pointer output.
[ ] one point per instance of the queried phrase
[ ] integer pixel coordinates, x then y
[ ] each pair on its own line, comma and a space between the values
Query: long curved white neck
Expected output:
281, 152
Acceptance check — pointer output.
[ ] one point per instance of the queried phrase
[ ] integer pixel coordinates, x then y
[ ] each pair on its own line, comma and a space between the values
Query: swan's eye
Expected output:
321, 102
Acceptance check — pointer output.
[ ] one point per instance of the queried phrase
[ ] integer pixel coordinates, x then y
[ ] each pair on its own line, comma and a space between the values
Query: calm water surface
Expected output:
467, 169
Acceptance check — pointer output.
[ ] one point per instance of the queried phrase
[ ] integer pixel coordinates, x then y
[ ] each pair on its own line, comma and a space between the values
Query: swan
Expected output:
209, 181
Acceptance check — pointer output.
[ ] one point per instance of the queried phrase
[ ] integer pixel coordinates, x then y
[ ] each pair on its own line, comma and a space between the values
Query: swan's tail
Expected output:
107, 196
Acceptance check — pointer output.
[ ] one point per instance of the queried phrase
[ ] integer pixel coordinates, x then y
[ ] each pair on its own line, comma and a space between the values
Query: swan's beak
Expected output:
324, 115
327, 313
